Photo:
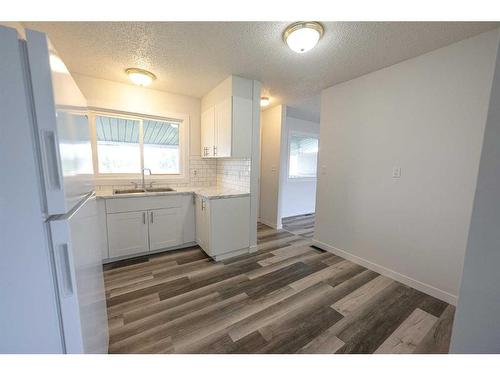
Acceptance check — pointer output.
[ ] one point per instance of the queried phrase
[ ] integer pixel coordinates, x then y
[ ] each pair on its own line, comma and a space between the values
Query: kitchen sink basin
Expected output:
129, 191
159, 189
142, 191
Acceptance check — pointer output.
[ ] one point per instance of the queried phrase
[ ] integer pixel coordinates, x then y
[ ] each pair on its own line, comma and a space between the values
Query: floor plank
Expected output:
409, 334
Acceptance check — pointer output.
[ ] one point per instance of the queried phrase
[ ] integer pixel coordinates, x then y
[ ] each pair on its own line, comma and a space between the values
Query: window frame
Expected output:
292, 133
124, 178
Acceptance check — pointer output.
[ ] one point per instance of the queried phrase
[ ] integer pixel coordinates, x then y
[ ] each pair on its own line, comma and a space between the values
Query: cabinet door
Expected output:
230, 225
127, 233
208, 133
165, 228
202, 224
223, 128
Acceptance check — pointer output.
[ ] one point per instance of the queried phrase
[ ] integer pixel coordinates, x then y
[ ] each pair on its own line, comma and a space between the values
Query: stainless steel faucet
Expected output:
143, 180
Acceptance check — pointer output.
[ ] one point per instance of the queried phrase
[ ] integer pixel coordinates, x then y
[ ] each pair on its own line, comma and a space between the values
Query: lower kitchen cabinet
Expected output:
127, 233
164, 228
135, 226
223, 226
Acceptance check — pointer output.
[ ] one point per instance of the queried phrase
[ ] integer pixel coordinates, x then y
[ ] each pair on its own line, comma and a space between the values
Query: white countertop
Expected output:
211, 192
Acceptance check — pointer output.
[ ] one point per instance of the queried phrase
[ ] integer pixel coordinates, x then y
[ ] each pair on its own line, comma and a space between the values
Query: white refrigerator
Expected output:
52, 297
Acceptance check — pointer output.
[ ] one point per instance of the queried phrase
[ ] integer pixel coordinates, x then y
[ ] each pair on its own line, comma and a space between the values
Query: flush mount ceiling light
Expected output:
140, 77
303, 36
264, 101
57, 65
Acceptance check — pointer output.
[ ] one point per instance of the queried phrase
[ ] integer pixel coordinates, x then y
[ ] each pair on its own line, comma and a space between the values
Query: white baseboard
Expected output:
231, 254
147, 253
270, 224
423, 287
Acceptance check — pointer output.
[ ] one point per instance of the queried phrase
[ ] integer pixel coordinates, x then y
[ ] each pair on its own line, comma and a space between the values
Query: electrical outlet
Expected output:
396, 172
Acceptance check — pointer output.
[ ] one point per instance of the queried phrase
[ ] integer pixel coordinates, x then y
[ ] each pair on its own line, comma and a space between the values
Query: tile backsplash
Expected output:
234, 173
202, 172
224, 173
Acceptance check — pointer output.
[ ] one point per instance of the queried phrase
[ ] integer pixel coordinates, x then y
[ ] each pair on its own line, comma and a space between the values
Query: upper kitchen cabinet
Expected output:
226, 119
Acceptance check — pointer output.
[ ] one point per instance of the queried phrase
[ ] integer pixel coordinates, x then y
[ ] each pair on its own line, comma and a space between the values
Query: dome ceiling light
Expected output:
140, 77
264, 101
303, 36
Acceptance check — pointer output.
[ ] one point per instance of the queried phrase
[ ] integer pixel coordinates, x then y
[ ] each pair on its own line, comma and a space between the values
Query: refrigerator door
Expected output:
75, 243
29, 313
61, 125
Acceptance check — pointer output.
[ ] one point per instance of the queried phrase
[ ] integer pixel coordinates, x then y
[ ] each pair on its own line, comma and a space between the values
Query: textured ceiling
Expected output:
306, 109
192, 57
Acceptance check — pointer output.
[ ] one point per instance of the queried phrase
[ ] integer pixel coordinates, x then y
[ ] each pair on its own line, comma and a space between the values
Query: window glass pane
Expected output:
303, 156
118, 145
161, 147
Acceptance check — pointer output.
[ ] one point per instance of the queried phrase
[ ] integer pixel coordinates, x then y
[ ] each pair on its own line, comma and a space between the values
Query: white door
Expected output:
127, 233
165, 228
207, 133
223, 128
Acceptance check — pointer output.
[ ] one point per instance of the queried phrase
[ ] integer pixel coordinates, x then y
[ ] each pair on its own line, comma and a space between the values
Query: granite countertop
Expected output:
209, 192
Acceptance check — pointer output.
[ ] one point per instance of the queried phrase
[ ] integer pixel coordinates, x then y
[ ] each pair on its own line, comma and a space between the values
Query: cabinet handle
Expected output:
151, 213
215, 150
144, 218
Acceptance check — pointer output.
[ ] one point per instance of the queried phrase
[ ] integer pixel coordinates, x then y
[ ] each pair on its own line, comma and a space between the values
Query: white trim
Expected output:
270, 224
149, 252
230, 254
423, 287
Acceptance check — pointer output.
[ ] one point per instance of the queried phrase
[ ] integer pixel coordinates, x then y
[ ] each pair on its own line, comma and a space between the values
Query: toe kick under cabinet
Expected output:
223, 226
137, 225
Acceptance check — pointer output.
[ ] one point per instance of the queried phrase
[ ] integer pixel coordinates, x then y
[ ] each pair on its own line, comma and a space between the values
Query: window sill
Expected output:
302, 179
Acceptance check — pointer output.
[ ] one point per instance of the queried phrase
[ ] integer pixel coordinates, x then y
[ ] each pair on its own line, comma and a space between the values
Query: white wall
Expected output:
271, 124
426, 115
118, 96
297, 196
476, 327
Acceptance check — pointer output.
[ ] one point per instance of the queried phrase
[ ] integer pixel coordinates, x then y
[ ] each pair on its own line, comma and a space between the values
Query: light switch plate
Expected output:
396, 172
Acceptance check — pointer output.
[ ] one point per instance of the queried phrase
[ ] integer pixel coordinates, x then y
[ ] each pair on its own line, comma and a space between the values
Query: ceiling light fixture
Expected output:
264, 101
140, 77
57, 65
303, 36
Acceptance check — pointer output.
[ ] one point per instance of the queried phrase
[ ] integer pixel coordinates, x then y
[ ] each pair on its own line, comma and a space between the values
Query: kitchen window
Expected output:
302, 156
124, 144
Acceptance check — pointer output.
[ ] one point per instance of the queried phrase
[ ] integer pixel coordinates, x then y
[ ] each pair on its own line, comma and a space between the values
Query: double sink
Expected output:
142, 191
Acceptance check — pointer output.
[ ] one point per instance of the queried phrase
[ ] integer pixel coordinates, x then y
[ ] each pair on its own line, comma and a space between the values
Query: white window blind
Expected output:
303, 156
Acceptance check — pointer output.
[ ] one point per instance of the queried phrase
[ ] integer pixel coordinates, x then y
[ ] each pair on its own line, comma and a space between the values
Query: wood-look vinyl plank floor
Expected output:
288, 297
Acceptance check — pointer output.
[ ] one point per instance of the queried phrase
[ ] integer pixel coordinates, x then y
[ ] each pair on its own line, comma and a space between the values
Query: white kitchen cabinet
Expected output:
127, 233
136, 225
223, 226
164, 228
208, 133
226, 128
223, 128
